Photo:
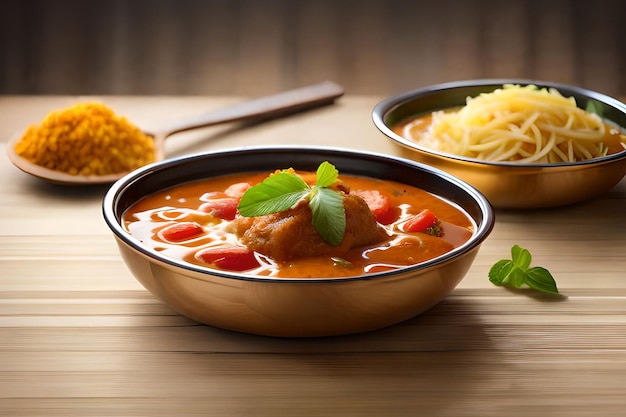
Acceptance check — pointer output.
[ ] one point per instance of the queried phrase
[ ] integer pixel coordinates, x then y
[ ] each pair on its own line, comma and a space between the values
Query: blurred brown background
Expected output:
253, 47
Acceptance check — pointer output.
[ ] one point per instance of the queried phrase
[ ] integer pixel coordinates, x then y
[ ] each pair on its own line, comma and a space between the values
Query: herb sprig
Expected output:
516, 272
284, 189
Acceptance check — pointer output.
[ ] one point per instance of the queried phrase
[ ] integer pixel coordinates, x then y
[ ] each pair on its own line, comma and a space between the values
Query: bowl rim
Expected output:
112, 195
389, 104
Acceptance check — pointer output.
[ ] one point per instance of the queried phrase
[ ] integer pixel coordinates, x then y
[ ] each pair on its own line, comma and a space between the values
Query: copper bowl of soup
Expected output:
368, 286
418, 122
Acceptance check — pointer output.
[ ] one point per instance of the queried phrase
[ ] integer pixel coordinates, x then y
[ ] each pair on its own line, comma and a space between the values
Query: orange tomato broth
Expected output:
151, 214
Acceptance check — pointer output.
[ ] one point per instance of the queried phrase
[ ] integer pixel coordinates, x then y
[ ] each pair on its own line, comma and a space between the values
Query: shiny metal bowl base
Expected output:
508, 184
295, 307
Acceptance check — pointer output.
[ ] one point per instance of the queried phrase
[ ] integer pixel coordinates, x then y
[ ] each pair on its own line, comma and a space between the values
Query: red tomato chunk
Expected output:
231, 258
222, 208
421, 222
237, 190
380, 205
181, 231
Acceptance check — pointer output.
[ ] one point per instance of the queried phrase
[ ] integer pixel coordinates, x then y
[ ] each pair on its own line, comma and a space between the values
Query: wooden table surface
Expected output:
80, 337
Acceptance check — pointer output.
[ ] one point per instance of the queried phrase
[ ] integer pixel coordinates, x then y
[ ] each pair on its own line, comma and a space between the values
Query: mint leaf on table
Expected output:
284, 189
516, 272
540, 279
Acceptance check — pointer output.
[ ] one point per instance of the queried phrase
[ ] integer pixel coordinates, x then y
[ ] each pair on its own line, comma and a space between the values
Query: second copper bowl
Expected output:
508, 184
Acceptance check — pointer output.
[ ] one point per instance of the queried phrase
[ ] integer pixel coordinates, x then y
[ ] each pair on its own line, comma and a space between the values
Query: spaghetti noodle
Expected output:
521, 124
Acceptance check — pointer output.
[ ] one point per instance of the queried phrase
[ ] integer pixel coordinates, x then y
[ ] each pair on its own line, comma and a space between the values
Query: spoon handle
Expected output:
275, 105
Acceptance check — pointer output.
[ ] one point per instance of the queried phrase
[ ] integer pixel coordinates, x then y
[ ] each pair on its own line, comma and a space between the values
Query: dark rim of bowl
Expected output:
113, 206
386, 108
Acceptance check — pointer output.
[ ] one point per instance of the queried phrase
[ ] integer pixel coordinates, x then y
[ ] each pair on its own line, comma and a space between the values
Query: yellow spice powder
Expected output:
86, 139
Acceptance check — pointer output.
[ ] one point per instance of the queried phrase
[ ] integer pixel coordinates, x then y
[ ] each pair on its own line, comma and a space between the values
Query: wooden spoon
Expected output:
277, 105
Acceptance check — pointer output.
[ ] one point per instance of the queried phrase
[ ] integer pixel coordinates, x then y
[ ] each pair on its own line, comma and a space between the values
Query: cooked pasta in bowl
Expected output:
523, 143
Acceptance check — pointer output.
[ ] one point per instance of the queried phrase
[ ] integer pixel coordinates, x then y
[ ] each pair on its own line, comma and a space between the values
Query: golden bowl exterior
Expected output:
295, 307
508, 185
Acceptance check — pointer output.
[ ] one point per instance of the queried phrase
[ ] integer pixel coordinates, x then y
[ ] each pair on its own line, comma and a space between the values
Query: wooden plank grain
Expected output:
473, 324
362, 384
80, 336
